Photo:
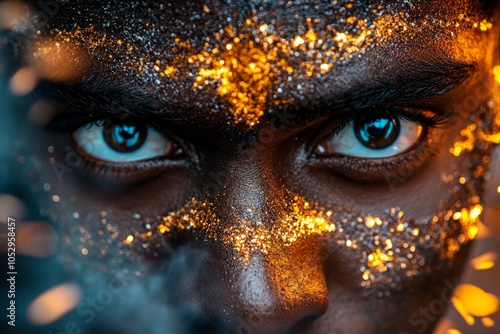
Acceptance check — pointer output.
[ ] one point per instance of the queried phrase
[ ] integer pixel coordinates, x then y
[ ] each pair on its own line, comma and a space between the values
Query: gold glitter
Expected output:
378, 259
243, 72
484, 25
62, 60
384, 253
467, 144
247, 237
370, 222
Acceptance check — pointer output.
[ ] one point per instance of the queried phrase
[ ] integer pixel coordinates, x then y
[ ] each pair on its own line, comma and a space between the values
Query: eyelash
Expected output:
416, 115
68, 124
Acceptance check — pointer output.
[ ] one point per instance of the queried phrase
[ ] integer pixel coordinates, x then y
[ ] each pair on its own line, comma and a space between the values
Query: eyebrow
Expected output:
417, 80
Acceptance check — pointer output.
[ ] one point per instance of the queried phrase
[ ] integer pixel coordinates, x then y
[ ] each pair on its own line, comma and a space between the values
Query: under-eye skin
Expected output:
379, 146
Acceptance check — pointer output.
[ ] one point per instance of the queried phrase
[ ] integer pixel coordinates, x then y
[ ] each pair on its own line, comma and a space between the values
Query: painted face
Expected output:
309, 167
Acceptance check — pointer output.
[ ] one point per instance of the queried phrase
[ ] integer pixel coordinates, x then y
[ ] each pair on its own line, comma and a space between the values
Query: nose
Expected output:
276, 292
271, 286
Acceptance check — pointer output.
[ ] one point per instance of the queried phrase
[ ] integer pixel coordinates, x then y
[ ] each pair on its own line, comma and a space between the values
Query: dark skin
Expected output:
250, 167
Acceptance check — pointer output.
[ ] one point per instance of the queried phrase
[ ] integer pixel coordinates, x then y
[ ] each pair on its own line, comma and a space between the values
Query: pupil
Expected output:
377, 133
125, 138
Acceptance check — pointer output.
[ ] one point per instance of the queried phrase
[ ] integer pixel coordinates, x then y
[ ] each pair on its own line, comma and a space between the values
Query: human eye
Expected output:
121, 151
382, 145
122, 142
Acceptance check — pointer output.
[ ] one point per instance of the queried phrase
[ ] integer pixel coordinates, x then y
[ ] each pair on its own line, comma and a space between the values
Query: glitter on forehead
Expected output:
247, 66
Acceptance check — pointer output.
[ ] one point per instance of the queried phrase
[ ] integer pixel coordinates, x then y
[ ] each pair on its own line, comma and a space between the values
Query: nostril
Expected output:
304, 323
284, 319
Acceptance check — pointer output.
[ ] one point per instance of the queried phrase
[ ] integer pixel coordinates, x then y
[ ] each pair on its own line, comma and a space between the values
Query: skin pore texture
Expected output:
249, 222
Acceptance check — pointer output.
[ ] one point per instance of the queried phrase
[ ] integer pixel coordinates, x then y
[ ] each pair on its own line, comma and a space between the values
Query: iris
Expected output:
377, 133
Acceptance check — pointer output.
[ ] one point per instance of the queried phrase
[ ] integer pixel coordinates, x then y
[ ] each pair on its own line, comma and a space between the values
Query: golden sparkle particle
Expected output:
378, 259
54, 303
496, 73
471, 301
484, 261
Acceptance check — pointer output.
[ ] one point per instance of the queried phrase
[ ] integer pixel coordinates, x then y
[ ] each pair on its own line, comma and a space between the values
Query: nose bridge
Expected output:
249, 187
273, 284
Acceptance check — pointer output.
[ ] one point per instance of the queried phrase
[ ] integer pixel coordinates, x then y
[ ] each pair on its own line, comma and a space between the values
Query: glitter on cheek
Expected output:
390, 249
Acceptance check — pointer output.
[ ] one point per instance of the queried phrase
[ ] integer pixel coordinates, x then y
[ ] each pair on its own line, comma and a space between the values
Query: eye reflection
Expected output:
380, 137
125, 138
122, 142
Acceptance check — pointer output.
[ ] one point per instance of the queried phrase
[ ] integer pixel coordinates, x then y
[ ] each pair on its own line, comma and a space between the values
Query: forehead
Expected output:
240, 60
171, 13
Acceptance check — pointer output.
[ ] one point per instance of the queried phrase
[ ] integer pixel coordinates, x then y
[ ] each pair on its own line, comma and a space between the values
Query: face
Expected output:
264, 167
